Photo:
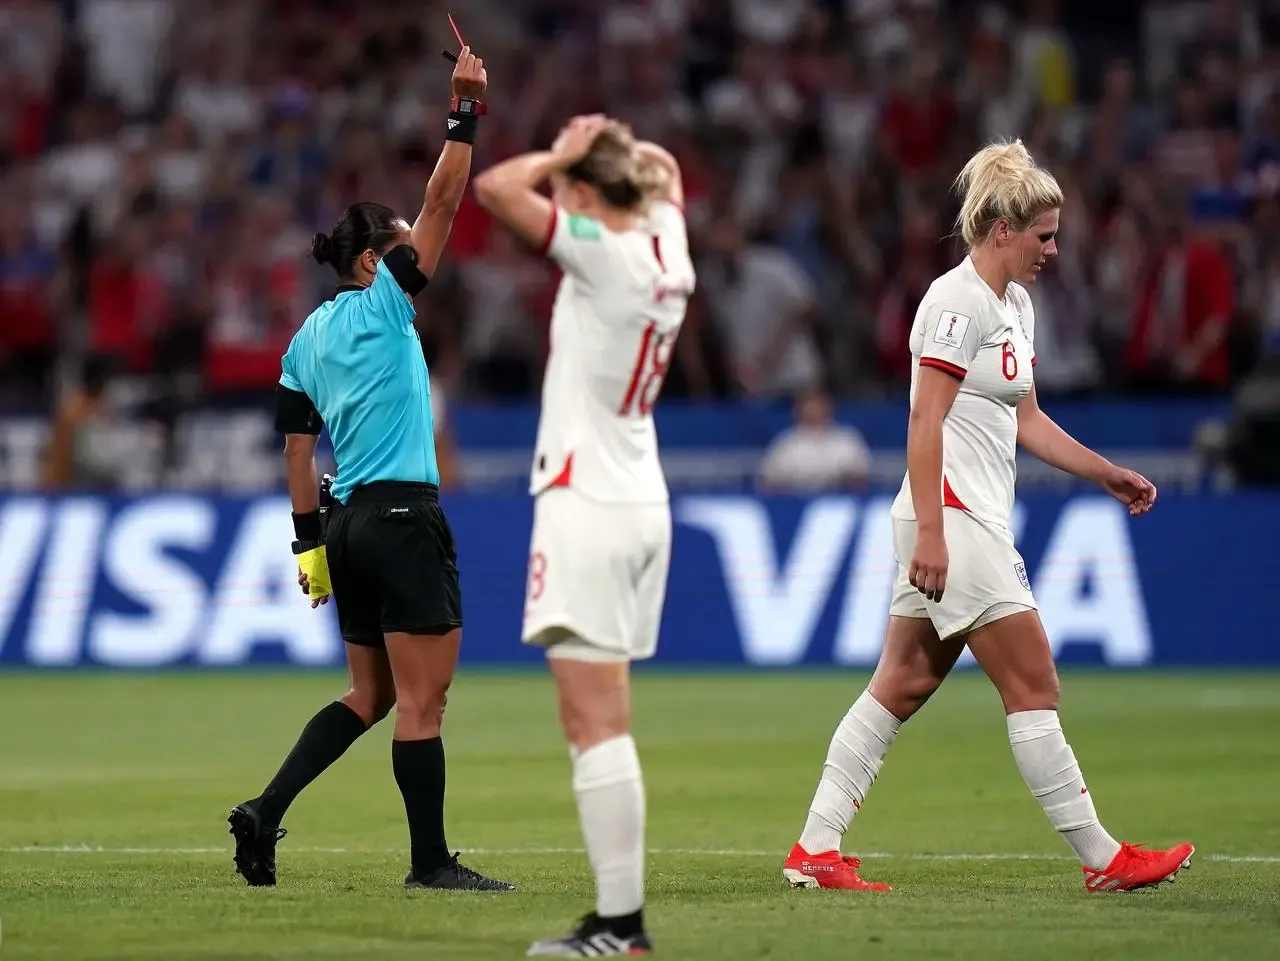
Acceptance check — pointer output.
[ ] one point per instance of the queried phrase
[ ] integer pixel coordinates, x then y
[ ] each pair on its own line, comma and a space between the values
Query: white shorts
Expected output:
597, 577
986, 576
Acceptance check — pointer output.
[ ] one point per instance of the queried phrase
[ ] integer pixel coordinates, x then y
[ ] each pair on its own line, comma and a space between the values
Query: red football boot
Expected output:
1135, 867
826, 870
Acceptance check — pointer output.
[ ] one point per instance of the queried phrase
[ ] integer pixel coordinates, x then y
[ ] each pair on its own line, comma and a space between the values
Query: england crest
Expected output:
1021, 570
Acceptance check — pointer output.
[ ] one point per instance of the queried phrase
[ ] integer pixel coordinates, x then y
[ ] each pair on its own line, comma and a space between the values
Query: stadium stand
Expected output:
162, 163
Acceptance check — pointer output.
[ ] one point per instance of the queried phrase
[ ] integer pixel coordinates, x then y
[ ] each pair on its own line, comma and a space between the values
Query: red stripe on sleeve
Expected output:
947, 368
551, 232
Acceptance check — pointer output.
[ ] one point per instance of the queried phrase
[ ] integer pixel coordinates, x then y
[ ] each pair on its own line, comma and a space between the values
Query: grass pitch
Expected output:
114, 790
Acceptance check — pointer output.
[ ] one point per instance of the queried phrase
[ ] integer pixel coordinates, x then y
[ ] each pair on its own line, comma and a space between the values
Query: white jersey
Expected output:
962, 328
617, 313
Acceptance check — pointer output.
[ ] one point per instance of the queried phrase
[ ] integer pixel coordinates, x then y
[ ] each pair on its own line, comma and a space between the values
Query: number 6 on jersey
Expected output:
1008, 361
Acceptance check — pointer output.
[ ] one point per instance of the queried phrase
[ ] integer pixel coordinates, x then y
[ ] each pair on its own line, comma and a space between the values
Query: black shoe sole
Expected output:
244, 828
423, 886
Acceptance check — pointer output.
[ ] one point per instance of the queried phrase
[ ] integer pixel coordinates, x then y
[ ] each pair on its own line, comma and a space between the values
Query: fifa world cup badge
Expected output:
1021, 570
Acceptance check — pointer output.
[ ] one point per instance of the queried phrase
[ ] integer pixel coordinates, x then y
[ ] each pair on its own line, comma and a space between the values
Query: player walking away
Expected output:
602, 522
386, 554
973, 400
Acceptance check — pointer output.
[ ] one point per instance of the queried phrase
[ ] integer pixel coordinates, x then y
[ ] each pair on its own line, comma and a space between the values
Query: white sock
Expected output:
1050, 771
611, 807
853, 760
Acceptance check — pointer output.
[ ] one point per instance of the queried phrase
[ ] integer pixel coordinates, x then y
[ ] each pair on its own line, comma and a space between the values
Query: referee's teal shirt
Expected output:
359, 359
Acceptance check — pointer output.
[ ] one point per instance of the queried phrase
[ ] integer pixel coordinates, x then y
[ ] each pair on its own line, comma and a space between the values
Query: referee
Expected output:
386, 554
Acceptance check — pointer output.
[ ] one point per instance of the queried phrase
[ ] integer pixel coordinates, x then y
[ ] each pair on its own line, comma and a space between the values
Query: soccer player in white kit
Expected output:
973, 400
602, 523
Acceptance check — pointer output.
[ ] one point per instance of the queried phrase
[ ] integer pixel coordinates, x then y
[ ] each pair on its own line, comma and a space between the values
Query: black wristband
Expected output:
464, 117
461, 128
307, 526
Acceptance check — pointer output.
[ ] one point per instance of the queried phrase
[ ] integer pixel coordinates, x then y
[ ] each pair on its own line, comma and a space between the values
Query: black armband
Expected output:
402, 261
306, 527
295, 413
464, 117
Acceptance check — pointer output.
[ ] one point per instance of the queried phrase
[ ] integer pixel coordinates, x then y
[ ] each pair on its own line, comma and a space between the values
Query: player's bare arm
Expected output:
1042, 437
936, 391
448, 180
509, 190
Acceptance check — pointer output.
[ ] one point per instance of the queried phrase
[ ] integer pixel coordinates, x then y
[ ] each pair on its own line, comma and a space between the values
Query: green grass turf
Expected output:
131, 763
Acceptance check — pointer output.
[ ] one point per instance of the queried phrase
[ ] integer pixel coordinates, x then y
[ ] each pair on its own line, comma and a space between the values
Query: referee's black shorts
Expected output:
393, 563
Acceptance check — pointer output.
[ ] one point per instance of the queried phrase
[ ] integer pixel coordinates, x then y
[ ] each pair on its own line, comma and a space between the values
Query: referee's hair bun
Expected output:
322, 249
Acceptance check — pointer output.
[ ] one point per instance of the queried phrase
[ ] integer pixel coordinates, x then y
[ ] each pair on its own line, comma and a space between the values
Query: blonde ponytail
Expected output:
625, 178
1002, 182
651, 177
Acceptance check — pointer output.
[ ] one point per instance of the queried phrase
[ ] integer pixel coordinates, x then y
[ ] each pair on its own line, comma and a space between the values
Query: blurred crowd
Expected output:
164, 162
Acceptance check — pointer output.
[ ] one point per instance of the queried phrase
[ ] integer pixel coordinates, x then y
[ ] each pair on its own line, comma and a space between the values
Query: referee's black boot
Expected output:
255, 845
454, 876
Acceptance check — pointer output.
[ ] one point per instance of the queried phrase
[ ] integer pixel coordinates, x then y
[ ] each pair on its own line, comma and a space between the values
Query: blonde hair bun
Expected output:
624, 177
1002, 182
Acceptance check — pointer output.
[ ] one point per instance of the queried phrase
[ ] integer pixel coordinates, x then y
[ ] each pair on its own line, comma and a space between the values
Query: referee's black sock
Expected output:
325, 739
419, 771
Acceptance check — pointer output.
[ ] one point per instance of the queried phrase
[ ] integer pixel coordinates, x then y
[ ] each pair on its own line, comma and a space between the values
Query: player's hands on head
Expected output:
469, 77
305, 584
1131, 489
575, 139
928, 570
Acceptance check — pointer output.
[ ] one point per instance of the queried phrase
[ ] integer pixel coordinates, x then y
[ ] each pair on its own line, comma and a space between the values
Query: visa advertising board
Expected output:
197, 581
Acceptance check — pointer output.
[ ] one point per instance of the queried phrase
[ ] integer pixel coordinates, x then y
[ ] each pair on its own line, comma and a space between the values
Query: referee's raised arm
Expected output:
448, 181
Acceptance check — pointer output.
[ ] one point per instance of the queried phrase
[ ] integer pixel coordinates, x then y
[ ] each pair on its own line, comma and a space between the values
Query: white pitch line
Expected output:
691, 852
